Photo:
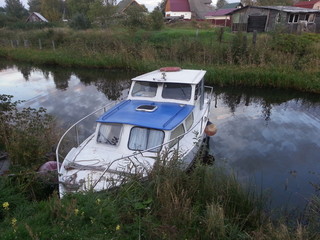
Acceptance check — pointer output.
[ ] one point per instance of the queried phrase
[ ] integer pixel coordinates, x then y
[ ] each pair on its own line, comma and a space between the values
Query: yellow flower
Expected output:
5, 205
118, 227
13, 222
76, 211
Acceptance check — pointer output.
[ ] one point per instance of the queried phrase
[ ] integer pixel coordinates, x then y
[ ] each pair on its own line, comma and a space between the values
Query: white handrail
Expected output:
75, 124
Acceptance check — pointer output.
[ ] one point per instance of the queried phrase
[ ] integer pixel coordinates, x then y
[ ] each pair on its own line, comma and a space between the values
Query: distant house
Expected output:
36, 17
187, 9
268, 18
199, 8
308, 4
220, 17
232, 5
177, 9
125, 4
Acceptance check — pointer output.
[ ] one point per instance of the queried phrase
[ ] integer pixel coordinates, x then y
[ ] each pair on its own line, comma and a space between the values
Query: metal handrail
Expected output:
108, 106
75, 124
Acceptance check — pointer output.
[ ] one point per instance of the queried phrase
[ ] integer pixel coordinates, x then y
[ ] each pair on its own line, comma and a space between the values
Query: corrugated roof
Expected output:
221, 12
231, 5
200, 7
289, 9
178, 6
39, 16
306, 4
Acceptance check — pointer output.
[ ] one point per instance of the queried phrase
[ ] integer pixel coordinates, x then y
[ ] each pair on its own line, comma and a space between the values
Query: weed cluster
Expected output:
26, 134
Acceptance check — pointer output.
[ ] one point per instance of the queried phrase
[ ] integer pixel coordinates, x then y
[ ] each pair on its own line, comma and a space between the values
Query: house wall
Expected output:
34, 18
186, 15
317, 6
275, 20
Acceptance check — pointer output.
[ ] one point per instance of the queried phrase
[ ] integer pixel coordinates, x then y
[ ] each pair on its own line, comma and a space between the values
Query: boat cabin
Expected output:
161, 106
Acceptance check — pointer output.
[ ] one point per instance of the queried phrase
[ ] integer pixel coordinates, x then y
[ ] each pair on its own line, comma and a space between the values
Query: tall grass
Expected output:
276, 60
204, 204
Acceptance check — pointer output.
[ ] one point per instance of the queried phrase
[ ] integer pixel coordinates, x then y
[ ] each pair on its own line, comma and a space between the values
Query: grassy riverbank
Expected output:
274, 60
203, 204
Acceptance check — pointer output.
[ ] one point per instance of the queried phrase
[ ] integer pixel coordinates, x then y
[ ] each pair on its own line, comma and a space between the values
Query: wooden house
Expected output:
187, 9
123, 5
269, 18
36, 17
220, 17
177, 9
308, 4
232, 5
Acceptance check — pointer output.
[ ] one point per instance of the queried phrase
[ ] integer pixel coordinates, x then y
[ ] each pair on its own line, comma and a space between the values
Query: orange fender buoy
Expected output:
210, 130
170, 69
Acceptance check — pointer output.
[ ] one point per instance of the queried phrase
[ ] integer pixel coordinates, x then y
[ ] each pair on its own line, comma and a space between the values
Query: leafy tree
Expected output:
79, 6
101, 12
34, 5
156, 19
161, 7
14, 8
136, 16
52, 9
80, 22
221, 3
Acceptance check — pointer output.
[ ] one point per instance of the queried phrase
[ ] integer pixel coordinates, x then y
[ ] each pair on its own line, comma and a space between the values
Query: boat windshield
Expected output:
179, 91
145, 138
144, 89
109, 133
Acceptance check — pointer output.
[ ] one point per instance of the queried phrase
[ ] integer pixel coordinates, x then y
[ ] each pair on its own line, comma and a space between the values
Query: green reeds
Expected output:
273, 60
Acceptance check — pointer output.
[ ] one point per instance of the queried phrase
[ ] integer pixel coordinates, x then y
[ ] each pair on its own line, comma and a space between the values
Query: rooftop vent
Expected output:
146, 108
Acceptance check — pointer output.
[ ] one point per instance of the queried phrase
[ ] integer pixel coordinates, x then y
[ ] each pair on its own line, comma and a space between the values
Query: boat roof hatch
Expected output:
157, 115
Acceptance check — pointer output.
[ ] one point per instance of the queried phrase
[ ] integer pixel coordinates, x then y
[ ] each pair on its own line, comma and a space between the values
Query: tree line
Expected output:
81, 14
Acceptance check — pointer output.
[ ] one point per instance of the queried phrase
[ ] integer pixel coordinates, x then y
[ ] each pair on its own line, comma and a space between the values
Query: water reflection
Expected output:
270, 138
68, 94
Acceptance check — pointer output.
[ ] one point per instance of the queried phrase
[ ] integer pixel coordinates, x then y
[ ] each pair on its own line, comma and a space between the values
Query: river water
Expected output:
268, 138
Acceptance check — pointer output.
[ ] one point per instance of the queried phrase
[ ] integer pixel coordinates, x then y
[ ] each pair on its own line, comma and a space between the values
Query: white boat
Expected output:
166, 112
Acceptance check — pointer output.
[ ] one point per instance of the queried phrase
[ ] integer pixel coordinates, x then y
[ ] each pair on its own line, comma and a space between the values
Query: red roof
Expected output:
178, 6
306, 4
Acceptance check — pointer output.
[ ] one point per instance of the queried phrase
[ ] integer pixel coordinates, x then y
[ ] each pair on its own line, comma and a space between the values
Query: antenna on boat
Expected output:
164, 76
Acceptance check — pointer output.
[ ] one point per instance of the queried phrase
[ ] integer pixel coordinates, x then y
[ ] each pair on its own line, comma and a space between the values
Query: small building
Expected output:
36, 17
232, 5
308, 4
199, 8
269, 18
220, 17
123, 5
177, 9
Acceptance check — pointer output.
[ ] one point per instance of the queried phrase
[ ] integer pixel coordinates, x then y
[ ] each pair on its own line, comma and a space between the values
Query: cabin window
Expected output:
109, 133
293, 18
189, 121
176, 133
177, 91
144, 89
145, 138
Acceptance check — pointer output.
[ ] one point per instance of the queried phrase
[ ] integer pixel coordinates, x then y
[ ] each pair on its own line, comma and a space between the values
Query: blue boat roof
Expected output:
166, 116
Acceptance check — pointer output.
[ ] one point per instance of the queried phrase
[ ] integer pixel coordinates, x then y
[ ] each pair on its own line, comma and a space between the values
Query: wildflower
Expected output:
76, 211
13, 222
118, 227
5, 205
98, 201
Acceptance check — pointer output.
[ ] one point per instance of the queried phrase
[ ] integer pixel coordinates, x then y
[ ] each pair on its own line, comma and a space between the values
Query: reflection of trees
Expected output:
112, 88
25, 70
109, 82
61, 78
266, 98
